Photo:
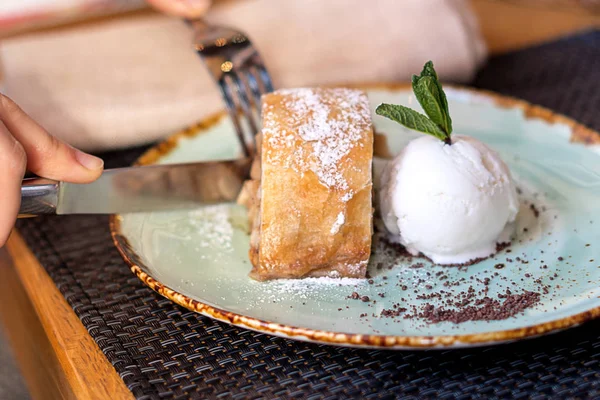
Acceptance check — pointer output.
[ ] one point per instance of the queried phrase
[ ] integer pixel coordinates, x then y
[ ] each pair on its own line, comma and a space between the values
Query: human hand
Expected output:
25, 145
182, 8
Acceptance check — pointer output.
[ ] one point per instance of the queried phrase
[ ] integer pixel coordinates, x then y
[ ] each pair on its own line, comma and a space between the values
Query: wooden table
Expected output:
57, 356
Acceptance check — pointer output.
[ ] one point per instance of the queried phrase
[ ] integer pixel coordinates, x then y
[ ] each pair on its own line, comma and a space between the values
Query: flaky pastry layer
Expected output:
310, 193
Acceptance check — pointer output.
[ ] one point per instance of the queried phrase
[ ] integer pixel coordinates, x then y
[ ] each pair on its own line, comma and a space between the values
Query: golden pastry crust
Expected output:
311, 212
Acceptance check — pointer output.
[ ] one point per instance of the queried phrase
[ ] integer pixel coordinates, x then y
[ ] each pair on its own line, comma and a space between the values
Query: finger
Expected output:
12, 169
47, 156
182, 8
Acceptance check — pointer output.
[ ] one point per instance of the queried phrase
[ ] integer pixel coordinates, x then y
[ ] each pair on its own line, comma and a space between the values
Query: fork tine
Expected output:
245, 107
238, 69
264, 75
254, 89
233, 114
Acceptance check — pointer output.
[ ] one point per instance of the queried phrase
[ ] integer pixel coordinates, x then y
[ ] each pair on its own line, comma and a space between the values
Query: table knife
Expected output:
138, 189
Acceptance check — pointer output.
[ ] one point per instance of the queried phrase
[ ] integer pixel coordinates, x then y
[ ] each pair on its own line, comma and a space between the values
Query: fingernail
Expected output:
88, 161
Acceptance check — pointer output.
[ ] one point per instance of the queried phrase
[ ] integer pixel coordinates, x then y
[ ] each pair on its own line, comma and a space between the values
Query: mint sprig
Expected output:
411, 119
428, 91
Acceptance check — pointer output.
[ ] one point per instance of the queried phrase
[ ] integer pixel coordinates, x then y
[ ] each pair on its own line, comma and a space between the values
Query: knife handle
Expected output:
38, 197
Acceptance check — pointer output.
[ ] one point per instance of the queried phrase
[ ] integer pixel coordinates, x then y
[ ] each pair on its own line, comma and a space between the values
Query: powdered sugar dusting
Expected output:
324, 281
295, 291
304, 289
339, 221
356, 267
332, 120
213, 226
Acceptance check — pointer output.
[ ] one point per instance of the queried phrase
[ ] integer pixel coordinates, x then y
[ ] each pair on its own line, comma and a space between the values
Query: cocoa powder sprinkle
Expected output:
484, 309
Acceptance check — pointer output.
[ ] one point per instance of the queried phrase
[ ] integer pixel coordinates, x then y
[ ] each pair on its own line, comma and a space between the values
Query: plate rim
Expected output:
579, 134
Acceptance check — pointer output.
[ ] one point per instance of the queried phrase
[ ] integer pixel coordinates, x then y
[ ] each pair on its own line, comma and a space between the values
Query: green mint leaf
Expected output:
412, 120
428, 70
428, 94
428, 91
415, 79
444, 105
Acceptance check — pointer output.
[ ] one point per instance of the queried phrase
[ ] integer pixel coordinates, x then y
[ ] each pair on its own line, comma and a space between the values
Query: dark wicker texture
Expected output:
164, 351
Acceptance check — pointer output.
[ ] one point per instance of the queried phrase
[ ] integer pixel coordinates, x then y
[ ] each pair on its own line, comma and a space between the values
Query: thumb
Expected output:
182, 8
47, 156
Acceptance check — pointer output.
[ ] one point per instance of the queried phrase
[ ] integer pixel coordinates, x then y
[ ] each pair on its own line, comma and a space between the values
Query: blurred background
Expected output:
54, 62
506, 24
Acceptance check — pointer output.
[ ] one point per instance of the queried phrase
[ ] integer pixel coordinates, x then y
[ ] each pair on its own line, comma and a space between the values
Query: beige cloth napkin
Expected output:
126, 82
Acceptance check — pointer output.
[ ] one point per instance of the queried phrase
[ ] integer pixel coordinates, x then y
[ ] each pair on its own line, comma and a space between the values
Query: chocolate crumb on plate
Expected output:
485, 309
390, 313
533, 208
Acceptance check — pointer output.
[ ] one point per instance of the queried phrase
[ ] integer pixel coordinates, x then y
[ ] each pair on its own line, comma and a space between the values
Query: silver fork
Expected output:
238, 69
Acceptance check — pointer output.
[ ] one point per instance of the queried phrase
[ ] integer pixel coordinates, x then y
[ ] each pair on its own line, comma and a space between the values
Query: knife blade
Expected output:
138, 189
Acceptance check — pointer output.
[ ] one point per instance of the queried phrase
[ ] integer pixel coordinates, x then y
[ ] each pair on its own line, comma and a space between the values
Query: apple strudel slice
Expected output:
310, 192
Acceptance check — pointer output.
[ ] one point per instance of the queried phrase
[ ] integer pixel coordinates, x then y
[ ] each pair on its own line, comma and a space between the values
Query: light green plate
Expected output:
199, 258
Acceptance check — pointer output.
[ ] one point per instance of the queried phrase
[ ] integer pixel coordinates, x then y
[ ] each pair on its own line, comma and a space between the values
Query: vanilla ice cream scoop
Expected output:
452, 203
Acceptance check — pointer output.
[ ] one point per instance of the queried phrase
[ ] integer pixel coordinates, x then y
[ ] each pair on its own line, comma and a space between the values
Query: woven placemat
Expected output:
162, 351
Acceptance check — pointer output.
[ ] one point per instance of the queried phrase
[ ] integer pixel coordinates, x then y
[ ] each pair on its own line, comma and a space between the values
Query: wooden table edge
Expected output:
57, 356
